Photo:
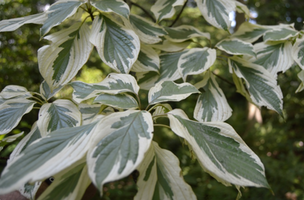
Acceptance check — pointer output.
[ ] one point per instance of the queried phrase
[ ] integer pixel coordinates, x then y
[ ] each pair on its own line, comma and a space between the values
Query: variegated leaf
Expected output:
126, 136
261, 85
220, 150
301, 86
122, 101
242, 8
280, 33
216, 12
13, 24
11, 112
298, 52
160, 177
169, 66
163, 9
68, 184
211, 105
168, 46
275, 57
117, 46
236, 47
88, 112
112, 84
116, 6
183, 33
148, 60
58, 12
146, 80
69, 51
47, 156
45, 90
249, 32
15, 91
9, 139
61, 113
196, 61
170, 91
147, 31
161, 109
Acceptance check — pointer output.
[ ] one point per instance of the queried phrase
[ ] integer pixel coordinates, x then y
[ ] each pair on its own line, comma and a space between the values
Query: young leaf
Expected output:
148, 60
164, 9
216, 12
261, 85
9, 139
160, 177
170, 91
211, 105
68, 184
280, 33
117, 6
13, 24
58, 12
220, 151
169, 66
126, 136
249, 32
45, 90
196, 61
236, 47
59, 114
122, 101
47, 156
117, 46
69, 51
183, 33
11, 112
298, 52
301, 77
275, 57
147, 31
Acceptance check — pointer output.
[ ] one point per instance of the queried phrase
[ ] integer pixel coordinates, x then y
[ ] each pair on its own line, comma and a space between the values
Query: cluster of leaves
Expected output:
79, 143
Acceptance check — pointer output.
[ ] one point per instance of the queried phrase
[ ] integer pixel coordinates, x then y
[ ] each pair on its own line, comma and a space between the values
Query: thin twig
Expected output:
179, 14
144, 10
223, 79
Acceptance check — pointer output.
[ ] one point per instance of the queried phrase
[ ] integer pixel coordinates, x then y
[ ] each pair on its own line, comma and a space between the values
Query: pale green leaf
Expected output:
275, 57
116, 6
261, 85
70, 183
249, 32
298, 52
211, 105
160, 177
220, 150
169, 46
236, 47
148, 60
170, 91
126, 136
242, 8
15, 23
47, 156
147, 31
61, 113
164, 9
117, 46
183, 33
122, 101
58, 12
68, 52
11, 112
112, 84
216, 12
196, 61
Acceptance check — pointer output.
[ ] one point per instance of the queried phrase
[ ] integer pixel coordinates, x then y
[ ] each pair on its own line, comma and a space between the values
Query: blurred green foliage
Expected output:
278, 142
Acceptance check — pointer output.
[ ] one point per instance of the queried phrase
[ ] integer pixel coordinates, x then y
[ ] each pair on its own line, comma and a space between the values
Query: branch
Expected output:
144, 10
223, 79
179, 14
